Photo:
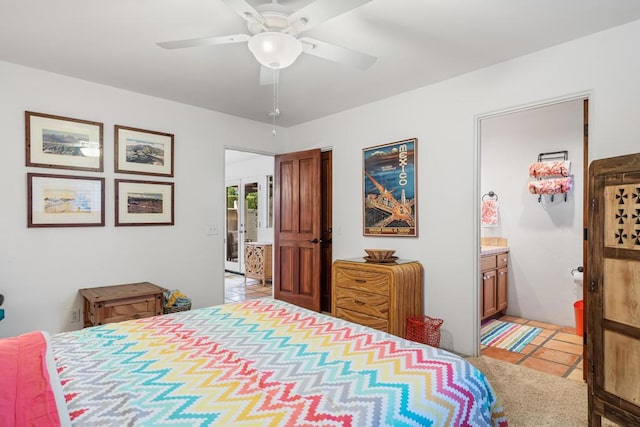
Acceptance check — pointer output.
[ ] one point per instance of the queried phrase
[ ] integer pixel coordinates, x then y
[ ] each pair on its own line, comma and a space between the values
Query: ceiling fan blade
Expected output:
204, 41
320, 11
244, 9
268, 76
337, 54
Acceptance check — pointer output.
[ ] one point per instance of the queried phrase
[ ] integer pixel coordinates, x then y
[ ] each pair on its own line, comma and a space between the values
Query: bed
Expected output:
260, 362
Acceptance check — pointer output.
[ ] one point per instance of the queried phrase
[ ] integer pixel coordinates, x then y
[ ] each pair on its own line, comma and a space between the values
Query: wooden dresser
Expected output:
117, 303
380, 296
257, 261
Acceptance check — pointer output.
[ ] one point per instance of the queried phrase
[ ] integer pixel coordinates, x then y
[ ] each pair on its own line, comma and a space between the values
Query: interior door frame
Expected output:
586, 95
250, 178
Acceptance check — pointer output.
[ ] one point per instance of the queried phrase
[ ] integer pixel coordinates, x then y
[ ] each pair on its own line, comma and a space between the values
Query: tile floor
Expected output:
556, 351
235, 289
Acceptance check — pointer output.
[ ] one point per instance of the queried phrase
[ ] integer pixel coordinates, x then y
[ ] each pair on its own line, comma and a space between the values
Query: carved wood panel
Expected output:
613, 286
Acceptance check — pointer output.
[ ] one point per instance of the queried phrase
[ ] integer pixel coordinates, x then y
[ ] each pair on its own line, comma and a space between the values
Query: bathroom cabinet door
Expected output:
502, 299
613, 316
489, 289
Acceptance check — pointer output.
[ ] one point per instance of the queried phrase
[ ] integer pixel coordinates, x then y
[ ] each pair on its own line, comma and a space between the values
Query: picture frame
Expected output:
63, 142
64, 201
389, 174
144, 152
140, 203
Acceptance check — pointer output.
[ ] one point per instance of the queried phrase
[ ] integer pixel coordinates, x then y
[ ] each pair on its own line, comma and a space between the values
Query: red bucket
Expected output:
578, 307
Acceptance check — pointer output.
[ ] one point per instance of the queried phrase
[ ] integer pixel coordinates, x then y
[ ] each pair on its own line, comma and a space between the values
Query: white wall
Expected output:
443, 118
41, 270
545, 238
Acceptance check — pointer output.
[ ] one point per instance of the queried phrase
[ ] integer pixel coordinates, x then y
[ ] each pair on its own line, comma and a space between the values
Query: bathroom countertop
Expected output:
490, 250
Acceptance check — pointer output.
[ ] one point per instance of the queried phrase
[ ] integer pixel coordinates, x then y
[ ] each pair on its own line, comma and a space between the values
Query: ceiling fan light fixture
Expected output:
275, 50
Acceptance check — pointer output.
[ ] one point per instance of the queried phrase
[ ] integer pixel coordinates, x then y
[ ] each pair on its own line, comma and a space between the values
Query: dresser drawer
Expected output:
363, 302
368, 281
363, 319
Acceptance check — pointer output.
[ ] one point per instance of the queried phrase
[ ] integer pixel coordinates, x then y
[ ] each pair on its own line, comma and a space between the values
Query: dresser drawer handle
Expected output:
361, 281
358, 302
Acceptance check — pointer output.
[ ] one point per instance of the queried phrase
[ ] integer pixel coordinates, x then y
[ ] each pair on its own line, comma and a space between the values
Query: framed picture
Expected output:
143, 202
390, 193
143, 152
63, 142
64, 201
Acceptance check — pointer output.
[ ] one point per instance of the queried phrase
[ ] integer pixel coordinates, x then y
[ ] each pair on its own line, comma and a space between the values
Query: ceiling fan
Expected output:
274, 33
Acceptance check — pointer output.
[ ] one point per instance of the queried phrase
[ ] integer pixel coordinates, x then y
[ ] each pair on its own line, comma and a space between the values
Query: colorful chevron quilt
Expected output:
264, 363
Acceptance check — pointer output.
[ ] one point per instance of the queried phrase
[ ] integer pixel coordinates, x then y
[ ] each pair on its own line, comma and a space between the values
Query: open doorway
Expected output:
248, 225
543, 234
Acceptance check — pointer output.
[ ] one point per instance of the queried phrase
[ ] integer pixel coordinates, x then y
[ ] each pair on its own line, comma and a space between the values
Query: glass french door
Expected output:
241, 222
232, 247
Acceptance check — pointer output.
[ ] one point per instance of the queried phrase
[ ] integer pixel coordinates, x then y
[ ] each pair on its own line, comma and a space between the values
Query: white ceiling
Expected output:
417, 42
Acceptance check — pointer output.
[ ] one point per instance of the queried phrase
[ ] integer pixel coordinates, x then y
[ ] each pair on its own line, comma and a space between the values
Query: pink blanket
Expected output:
26, 392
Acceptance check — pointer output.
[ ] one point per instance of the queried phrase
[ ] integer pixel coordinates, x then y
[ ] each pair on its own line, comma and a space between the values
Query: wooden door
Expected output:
297, 249
585, 225
327, 230
613, 313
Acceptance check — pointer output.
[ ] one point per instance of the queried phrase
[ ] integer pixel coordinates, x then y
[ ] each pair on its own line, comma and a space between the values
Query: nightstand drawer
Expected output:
363, 319
363, 302
118, 311
368, 281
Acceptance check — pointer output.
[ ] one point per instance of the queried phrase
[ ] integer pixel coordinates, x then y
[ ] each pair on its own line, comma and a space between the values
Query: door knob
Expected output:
314, 240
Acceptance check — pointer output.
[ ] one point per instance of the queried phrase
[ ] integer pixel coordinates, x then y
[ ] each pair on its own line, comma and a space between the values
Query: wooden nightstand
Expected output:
380, 296
117, 303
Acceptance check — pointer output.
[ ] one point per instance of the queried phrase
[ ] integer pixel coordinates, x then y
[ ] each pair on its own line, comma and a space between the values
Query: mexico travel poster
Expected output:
389, 183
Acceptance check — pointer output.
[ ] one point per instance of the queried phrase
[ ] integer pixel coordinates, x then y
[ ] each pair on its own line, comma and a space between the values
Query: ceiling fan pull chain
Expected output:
276, 112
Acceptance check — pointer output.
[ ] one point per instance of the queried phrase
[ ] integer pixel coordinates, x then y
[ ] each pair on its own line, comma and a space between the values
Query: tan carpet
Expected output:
536, 399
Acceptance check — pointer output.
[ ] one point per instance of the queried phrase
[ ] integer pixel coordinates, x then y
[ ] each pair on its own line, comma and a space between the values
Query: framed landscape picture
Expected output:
64, 201
143, 202
143, 152
63, 143
389, 189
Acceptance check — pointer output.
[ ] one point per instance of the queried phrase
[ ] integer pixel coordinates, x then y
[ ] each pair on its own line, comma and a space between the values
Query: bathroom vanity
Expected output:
494, 271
